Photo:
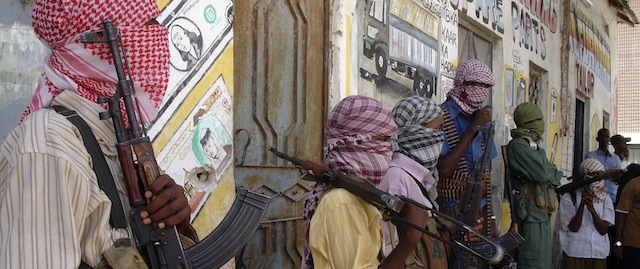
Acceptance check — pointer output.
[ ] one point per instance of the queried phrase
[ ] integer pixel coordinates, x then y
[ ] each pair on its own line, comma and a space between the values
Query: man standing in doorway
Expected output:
609, 160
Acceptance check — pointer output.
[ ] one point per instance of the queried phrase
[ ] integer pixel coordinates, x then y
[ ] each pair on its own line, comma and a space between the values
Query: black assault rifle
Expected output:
391, 205
162, 247
471, 200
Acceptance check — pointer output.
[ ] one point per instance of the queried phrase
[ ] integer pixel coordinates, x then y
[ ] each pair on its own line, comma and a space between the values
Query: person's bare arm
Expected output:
446, 164
408, 237
576, 221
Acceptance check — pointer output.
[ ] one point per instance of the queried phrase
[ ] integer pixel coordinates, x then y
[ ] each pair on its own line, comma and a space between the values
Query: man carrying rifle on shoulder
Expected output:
534, 178
410, 175
344, 230
55, 211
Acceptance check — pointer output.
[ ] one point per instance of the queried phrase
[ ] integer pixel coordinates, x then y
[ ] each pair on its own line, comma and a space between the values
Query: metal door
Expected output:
279, 99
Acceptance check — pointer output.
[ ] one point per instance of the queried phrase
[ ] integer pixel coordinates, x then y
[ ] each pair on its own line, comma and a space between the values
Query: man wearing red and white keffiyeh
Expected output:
343, 229
53, 212
465, 132
87, 68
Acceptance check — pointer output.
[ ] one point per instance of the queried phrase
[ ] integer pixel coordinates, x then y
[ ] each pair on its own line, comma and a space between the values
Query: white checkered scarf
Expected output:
598, 188
351, 149
87, 68
420, 143
470, 98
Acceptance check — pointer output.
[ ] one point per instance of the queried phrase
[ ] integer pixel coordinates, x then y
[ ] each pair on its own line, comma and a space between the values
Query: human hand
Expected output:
587, 199
481, 117
473, 237
168, 207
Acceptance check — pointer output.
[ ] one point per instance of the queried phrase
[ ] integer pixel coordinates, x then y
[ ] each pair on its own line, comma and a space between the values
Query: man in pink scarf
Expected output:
53, 213
344, 230
465, 133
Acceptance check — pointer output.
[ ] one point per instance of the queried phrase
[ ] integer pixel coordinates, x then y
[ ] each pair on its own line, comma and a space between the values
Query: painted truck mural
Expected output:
400, 36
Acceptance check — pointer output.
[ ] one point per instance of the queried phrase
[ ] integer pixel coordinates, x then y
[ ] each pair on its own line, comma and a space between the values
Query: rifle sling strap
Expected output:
426, 195
100, 167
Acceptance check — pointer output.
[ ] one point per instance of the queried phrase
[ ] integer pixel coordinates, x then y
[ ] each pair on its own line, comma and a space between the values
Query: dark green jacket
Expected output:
530, 164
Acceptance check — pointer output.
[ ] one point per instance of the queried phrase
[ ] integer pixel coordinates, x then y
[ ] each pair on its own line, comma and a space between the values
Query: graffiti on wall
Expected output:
589, 44
594, 127
400, 49
531, 19
448, 41
487, 12
515, 89
584, 79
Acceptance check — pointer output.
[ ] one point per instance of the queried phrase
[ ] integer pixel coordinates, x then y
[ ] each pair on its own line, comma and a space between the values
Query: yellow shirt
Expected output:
52, 211
345, 232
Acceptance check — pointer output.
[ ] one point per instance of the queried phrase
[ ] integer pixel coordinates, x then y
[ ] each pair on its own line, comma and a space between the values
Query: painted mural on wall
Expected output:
589, 44
400, 48
594, 126
198, 31
192, 134
554, 143
199, 152
515, 93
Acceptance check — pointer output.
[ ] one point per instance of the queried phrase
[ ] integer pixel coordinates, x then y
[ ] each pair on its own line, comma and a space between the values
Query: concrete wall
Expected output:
21, 58
527, 43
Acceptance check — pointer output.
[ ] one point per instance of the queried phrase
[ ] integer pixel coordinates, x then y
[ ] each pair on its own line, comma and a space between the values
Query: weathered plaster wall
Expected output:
21, 58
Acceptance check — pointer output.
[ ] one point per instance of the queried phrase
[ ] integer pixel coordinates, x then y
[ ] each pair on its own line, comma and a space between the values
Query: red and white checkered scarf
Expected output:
470, 98
352, 150
87, 68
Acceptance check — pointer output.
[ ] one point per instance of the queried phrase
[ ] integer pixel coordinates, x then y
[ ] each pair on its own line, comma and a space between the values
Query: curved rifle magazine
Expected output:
232, 234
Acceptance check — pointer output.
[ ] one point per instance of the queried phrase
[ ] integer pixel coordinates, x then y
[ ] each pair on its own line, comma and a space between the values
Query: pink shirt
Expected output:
399, 182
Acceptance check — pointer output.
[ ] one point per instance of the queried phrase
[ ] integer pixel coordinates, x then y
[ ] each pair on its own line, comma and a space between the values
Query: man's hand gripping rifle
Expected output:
162, 248
392, 205
471, 201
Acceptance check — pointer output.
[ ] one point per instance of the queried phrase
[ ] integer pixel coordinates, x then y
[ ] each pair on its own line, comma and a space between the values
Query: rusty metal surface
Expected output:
279, 97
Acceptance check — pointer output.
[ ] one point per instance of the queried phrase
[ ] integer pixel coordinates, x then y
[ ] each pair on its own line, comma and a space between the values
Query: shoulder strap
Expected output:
100, 167
422, 188
84, 265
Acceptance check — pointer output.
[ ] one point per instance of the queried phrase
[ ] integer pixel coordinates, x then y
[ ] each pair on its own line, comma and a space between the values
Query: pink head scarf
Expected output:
87, 68
470, 98
351, 149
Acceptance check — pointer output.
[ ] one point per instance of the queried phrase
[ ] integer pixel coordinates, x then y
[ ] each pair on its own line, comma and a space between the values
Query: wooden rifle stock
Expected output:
472, 196
471, 199
577, 184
